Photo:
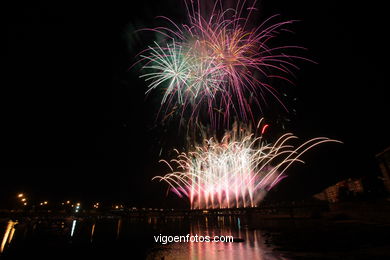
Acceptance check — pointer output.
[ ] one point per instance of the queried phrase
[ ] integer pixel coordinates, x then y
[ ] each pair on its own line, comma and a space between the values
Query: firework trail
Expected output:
237, 171
217, 63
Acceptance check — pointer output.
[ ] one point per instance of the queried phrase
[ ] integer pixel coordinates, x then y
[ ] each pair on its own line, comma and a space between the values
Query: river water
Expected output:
134, 238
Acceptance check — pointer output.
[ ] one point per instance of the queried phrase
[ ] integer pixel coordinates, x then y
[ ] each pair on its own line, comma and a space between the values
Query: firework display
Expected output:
217, 63
214, 68
235, 172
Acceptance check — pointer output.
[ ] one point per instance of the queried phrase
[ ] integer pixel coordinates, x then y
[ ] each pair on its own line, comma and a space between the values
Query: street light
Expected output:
22, 199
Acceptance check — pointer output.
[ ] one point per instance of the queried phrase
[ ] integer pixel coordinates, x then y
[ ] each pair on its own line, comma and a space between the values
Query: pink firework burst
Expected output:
218, 63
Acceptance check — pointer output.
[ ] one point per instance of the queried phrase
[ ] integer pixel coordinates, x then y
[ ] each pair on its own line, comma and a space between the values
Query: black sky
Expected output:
75, 122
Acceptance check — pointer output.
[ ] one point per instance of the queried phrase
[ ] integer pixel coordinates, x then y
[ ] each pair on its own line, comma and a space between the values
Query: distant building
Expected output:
349, 187
384, 164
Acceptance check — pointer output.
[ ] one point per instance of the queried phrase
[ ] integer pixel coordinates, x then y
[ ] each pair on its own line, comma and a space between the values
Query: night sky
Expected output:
76, 124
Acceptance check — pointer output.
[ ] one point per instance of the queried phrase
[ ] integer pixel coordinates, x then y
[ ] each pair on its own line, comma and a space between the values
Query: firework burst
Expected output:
237, 171
217, 63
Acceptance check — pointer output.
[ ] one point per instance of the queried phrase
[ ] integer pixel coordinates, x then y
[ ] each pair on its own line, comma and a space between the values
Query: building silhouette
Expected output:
384, 165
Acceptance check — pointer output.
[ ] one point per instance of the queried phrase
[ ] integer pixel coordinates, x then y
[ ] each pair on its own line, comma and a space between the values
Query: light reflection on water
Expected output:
92, 231
253, 245
252, 248
94, 235
73, 227
8, 234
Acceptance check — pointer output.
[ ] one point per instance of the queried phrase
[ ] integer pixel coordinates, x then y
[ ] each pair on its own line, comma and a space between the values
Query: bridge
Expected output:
281, 210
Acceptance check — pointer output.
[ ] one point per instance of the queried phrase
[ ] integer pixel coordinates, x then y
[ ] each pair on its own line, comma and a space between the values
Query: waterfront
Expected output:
133, 238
